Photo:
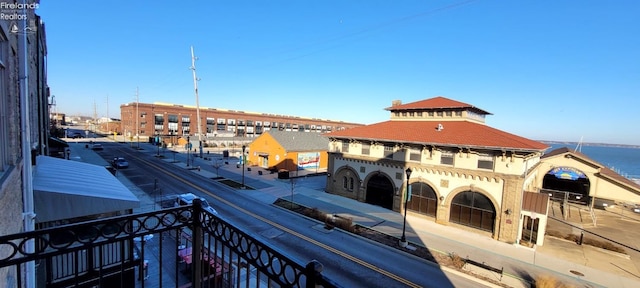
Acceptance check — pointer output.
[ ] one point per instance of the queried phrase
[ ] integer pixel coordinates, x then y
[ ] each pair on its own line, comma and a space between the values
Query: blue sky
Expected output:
547, 70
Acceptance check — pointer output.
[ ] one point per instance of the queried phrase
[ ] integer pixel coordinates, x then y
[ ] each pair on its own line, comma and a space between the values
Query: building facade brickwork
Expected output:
24, 116
181, 120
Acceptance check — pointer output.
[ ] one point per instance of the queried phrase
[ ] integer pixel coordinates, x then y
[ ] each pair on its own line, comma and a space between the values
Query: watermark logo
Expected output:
15, 12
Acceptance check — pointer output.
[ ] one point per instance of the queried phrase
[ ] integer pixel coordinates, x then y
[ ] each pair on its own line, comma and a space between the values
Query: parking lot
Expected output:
615, 223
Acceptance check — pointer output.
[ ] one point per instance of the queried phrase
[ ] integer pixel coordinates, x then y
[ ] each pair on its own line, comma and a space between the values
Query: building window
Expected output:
430, 113
158, 119
458, 113
474, 210
345, 147
173, 128
404, 114
448, 113
412, 114
344, 182
446, 158
439, 113
397, 114
419, 114
351, 183
388, 151
485, 161
173, 118
186, 119
414, 155
366, 149
423, 199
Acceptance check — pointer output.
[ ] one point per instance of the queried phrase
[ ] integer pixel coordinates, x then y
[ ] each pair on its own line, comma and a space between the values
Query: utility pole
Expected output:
195, 87
108, 116
137, 116
95, 112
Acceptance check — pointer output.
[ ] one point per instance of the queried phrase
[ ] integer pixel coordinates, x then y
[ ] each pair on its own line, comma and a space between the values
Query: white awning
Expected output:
64, 189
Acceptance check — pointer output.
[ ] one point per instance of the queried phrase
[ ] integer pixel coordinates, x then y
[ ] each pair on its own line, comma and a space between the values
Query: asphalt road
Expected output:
349, 260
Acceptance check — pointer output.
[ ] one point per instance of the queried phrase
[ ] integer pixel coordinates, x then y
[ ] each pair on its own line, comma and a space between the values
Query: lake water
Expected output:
625, 161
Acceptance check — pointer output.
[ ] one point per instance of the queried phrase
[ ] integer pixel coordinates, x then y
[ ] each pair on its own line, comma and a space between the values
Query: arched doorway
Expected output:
566, 183
474, 210
423, 199
380, 191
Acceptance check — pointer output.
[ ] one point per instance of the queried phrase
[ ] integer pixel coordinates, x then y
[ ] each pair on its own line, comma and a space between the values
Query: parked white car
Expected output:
187, 199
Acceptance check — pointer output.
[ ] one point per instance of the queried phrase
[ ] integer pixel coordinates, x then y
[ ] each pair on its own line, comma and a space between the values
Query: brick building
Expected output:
172, 120
24, 126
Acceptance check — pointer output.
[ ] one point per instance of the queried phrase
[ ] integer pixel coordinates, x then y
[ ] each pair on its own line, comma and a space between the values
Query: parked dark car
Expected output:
120, 163
76, 135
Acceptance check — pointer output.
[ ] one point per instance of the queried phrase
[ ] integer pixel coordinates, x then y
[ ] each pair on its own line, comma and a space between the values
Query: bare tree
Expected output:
217, 163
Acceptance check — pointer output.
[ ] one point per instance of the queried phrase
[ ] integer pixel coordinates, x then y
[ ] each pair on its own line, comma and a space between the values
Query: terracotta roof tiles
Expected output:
455, 133
435, 103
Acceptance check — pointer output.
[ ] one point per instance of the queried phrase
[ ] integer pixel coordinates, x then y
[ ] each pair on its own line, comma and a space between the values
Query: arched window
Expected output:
473, 209
350, 183
423, 199
344, 182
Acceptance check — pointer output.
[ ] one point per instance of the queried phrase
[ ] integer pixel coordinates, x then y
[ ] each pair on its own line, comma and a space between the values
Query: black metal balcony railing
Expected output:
190, 247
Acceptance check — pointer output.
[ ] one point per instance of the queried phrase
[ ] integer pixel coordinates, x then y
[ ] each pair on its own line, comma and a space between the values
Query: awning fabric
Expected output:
57, 142
64, 189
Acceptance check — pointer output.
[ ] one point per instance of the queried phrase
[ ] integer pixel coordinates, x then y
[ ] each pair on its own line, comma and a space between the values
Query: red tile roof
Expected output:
455, 133
435, 103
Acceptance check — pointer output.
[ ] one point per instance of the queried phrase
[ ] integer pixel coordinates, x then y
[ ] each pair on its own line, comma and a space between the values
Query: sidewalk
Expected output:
517, 261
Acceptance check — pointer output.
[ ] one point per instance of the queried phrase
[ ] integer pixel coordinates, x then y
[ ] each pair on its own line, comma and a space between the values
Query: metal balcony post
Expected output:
314, 273
197, 243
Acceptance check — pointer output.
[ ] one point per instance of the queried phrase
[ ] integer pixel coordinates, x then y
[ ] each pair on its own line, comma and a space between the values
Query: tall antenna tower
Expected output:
195, 88
95, 116
108, 116
137, 119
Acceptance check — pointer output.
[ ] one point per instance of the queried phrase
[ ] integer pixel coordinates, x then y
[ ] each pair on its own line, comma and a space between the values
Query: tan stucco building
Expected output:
463, 172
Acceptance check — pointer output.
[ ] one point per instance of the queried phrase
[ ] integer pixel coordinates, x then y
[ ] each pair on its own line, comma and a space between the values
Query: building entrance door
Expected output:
530, 229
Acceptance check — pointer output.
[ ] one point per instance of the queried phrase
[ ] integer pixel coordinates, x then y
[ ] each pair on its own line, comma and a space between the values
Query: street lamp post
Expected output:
188, 149
242, 159
403, 239
158, 143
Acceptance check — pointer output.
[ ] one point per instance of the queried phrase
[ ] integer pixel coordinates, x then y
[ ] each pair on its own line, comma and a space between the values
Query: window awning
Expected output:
57, 142
64, 189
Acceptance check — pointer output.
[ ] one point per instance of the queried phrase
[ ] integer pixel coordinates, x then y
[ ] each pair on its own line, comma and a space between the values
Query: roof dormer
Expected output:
436, 109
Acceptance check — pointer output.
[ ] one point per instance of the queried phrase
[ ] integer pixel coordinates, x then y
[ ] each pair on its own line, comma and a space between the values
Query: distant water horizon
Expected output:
623, 159
598, 144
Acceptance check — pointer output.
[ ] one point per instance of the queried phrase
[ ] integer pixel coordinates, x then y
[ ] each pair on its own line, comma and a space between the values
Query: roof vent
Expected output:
440, 127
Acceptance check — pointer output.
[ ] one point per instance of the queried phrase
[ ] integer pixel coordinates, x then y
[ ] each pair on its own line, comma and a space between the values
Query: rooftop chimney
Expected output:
396, 103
